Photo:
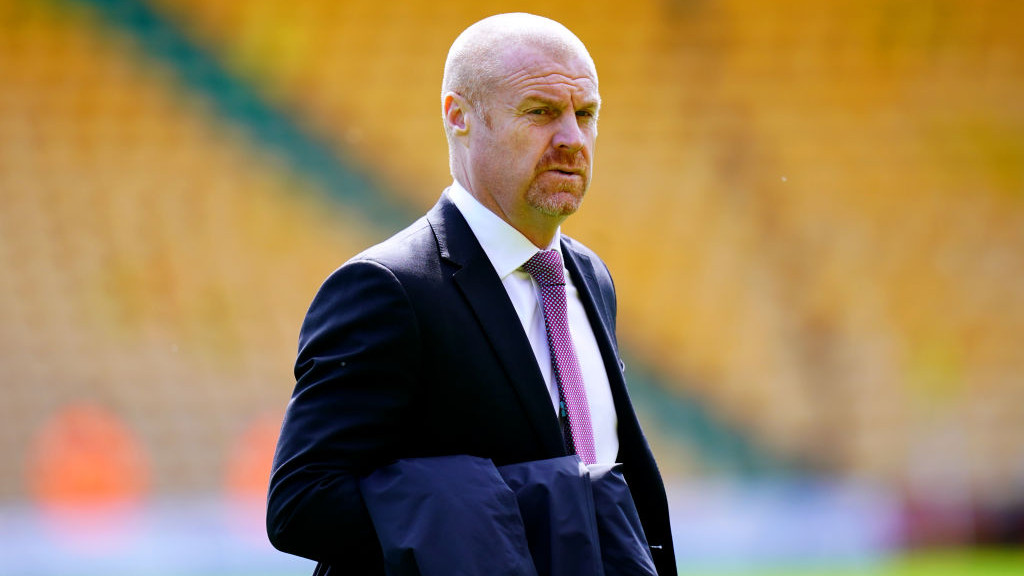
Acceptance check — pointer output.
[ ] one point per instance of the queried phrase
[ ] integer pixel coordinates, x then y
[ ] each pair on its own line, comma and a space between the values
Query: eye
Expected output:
538, 111
585, 114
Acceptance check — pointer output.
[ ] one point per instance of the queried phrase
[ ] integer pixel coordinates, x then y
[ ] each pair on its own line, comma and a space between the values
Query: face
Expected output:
531, 148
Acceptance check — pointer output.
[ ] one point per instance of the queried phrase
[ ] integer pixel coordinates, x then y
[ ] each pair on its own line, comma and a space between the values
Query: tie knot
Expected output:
546, 268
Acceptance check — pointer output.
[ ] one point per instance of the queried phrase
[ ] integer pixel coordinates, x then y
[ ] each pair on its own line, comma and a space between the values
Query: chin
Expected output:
560, 203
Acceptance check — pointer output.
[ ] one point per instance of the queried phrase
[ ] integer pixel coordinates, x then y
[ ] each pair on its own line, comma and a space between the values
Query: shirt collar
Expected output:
506, 247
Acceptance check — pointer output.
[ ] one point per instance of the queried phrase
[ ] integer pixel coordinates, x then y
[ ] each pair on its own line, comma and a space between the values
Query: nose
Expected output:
569, 135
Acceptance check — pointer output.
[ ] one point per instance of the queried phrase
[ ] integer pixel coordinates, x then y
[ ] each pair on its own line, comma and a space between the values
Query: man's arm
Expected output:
359, 353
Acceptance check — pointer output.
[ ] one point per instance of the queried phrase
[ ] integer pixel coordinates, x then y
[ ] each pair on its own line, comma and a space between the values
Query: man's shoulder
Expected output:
579, 247
398, 263
405, 248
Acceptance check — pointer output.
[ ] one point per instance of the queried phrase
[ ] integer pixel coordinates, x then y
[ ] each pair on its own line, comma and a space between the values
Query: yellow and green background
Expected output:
814, 213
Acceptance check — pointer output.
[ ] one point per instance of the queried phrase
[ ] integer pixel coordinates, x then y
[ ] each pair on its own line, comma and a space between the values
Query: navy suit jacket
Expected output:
413, 349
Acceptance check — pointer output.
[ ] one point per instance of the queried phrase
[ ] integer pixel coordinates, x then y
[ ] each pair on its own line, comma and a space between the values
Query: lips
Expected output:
567, 171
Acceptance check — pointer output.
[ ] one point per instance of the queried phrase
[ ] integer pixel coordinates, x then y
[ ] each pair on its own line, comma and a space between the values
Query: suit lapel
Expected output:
595, 302
475, 278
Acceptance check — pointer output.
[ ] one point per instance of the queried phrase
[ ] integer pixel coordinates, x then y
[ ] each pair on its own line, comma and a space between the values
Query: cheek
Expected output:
522, 143
493, 156
514, 155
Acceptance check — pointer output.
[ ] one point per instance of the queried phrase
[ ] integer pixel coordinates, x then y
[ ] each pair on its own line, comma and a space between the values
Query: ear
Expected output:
455, 113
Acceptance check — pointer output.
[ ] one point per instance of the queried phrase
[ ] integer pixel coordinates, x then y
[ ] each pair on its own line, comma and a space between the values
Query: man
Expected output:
440, 342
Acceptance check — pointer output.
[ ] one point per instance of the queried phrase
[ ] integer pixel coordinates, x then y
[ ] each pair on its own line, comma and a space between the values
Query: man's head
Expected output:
520, 103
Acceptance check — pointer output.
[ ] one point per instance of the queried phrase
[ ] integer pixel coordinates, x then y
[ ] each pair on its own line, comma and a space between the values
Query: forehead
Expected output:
531, 72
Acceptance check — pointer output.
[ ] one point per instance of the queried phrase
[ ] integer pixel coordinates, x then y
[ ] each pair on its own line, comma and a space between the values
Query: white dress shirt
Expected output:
508, 250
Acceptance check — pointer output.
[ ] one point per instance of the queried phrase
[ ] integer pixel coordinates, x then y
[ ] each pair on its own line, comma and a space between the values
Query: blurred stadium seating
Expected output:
814, 213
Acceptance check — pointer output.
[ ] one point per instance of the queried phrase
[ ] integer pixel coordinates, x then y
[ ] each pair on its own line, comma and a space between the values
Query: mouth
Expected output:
566, 171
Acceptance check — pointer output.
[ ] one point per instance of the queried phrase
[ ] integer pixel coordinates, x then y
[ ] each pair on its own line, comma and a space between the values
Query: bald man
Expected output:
448, 338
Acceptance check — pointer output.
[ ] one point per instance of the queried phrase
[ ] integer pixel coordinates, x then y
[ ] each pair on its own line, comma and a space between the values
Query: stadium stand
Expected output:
155, 263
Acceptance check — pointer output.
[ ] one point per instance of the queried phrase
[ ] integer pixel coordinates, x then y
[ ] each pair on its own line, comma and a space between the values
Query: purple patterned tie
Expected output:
546, 269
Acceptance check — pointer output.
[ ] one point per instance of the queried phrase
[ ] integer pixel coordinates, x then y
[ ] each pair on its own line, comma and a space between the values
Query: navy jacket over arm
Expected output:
413, 349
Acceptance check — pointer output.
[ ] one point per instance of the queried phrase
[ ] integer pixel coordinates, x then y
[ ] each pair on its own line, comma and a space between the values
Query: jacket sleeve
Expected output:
359, 351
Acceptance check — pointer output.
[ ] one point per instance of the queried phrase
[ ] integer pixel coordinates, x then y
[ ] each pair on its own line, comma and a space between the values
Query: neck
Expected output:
538, 228
541, 237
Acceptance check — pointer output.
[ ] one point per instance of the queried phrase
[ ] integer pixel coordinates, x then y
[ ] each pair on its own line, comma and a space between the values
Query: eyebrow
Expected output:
591, 104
